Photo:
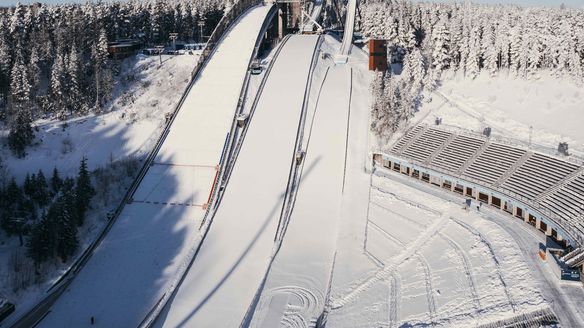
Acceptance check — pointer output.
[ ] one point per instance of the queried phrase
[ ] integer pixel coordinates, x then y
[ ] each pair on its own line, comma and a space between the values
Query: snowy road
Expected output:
135, 264
233, 258
299, 276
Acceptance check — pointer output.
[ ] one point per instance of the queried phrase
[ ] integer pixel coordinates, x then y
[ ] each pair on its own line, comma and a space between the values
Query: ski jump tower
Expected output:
293, 18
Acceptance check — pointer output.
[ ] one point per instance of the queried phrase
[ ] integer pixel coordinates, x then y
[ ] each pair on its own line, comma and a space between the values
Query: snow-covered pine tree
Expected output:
34, 72
75, 101
58, 84
99, 56
440, 52
490, 50
515, 49
20, 87
472, 64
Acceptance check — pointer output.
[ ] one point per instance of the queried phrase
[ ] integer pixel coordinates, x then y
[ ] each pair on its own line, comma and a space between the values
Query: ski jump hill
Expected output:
193, 243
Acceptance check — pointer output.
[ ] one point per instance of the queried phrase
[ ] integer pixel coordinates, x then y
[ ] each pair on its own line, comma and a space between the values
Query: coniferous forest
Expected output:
54, 60
430, 39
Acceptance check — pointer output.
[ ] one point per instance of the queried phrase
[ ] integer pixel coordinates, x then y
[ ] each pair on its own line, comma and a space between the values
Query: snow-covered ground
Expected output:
129, 127
431, 262
229, 268
150, 244
551, 106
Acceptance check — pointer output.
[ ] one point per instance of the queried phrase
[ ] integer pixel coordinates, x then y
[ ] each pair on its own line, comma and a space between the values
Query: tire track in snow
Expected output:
302, 315
427, 272
395, 299
429, 288
483, 240
467, 269
392, 264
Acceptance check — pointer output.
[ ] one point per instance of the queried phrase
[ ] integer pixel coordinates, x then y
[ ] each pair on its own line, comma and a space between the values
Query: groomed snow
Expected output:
146, 248
298, 280
227, 271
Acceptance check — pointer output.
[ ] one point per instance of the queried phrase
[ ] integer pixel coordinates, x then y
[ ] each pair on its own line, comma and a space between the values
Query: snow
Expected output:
147, 247
128, 128
298, 278
509, 105
458, 269
132, 122
234, 256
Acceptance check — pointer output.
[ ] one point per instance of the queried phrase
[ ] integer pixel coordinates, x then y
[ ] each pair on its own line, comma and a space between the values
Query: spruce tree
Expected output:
56, 181
41, 243
21, 134
66, 242
41, 193
83, 192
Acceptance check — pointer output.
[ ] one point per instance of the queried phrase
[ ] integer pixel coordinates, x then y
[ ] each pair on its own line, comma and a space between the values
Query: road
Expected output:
234, 256
147, 246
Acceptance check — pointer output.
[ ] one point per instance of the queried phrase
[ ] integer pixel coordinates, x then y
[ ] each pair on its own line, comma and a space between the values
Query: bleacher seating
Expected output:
493, 162
552, 183
401, 143
537, 174
457, 152
567, 202
424, 146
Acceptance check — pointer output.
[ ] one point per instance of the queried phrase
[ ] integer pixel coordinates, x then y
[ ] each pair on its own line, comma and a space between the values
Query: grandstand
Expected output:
543, 190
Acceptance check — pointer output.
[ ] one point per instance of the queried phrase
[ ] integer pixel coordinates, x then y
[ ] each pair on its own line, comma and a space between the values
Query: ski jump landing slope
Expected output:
297, 284
232, 261
135, 264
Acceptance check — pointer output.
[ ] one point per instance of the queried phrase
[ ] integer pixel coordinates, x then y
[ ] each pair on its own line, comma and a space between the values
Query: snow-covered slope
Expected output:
552, 106
132, 122
298, 281
150, 243
228, 270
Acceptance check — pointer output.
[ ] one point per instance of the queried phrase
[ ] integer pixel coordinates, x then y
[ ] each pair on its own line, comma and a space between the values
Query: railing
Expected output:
576, 235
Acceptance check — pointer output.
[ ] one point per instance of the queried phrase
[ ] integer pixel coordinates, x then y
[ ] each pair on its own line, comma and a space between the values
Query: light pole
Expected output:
201, 24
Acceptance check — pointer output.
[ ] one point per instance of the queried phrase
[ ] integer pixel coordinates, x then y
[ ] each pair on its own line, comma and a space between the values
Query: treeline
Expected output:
54, 59
47, 212
431, 38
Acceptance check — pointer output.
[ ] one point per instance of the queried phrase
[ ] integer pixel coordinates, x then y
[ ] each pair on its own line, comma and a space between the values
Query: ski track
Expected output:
393, 263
